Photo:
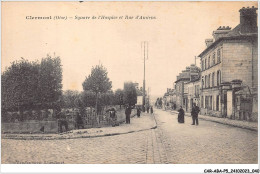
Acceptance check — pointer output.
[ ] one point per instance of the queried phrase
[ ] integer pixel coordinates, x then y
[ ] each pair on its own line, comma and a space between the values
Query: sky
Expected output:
175, 37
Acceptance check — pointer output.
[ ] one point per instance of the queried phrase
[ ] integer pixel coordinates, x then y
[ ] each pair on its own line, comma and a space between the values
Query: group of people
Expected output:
138, 112
149, 108
194, 114
113, 117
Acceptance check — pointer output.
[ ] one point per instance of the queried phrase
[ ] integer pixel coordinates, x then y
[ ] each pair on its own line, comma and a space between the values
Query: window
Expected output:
205, 63
209, 81
217, 103
205, 82
202, 102
206, 102
202, 65
213, 79
197, 90
202, 81
218, 55
210, 103
218, 78
213, 59
209, 62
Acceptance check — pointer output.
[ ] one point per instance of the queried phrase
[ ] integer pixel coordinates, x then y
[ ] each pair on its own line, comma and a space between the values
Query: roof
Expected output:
232, 35
182, 79
195, 80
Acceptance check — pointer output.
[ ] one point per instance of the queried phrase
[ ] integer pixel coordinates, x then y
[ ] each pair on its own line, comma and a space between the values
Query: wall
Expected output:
52, 126
179, 94
255, 63
237, 61
30, 127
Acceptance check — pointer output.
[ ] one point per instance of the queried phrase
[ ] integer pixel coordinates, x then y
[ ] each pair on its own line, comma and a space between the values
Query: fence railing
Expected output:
89, 120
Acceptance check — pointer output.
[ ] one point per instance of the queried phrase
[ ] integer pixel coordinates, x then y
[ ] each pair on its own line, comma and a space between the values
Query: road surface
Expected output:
172, 143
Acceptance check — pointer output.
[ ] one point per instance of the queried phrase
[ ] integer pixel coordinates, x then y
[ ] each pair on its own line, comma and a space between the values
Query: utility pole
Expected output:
148, 96
143, 45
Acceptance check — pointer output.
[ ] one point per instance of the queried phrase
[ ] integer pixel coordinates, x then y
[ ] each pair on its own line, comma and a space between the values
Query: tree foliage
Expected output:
107, 98
50, 80
69, 99
88, 98
30, 85
98, 80
118, 99
130, 96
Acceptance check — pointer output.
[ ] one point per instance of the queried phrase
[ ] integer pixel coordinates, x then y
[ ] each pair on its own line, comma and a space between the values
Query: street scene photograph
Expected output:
130, 83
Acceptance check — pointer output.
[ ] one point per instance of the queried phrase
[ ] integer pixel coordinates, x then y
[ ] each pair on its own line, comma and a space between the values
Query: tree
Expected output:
97, 82
107, 98
88, 98
118, 99
130, 96
20, 86
31, 85
50, 81
69, 99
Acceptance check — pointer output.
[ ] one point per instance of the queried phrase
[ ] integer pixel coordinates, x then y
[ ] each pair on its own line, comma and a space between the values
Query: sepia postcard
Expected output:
128, 82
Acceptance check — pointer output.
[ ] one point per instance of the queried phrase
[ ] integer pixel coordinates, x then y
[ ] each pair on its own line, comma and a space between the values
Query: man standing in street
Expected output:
194, 113
138, 112
147, 109
128, 113
151, 108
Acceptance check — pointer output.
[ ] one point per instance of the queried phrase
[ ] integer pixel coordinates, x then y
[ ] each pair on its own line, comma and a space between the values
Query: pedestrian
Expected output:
138, 112
113, 116
151, 110
79, 121
194, 114
147, 109
128, 111
181, 115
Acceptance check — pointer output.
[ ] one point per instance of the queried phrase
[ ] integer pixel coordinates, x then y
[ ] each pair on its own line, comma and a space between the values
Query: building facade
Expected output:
193, 93
191, 73
229, 67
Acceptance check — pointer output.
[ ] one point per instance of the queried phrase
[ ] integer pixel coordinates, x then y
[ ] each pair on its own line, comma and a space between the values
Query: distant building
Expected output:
170, 97
191, 73
136, 85
192, 93
229, 67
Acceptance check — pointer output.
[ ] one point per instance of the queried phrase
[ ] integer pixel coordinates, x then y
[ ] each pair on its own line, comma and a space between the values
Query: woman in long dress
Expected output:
181, 115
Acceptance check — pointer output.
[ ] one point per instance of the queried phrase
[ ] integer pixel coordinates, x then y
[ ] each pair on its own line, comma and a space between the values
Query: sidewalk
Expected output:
236, 123
145, 122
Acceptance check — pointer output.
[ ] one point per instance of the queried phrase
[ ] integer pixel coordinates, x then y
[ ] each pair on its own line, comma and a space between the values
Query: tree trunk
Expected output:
97, 117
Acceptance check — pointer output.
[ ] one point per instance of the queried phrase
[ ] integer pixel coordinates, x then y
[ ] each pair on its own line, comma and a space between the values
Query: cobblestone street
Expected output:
208, 143
170, 143
140, 147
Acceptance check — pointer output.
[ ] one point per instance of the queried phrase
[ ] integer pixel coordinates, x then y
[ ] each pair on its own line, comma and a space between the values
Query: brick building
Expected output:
229, 67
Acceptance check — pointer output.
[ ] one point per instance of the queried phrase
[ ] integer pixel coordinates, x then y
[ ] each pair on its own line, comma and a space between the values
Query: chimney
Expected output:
208, 42
221, 32
248, 20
